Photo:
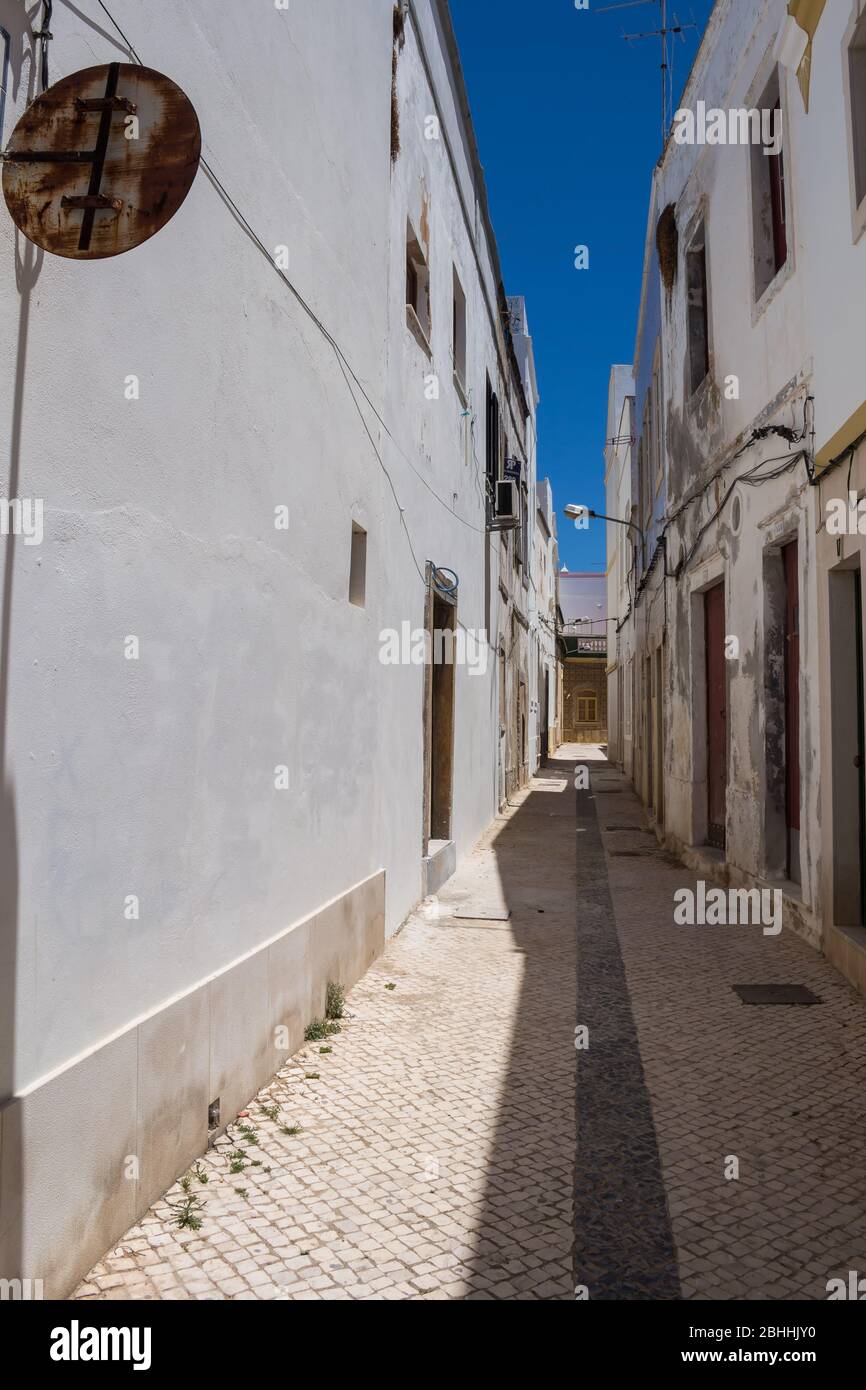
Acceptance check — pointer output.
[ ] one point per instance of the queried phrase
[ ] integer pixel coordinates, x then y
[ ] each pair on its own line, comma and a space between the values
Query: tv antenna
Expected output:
669, 32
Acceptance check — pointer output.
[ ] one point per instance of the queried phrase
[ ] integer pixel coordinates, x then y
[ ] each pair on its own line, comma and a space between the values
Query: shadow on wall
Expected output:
26, 267
573, 1184
21, 79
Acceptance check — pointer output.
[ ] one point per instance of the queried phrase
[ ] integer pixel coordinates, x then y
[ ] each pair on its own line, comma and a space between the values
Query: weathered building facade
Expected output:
544, 619
621, 565
757, 216
534, 599
234, 754
831, 153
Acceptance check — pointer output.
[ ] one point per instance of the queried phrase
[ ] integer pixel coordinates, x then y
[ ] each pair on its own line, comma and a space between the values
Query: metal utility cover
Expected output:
776, 994
101, 161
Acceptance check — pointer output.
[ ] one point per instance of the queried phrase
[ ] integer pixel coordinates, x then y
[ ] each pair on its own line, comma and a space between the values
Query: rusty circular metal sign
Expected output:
101, 161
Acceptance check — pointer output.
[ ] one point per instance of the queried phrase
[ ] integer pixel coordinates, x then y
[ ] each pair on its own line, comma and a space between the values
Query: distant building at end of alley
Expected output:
583, 651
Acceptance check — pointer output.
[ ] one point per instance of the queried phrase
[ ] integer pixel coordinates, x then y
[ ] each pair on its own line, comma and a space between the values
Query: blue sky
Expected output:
568, 122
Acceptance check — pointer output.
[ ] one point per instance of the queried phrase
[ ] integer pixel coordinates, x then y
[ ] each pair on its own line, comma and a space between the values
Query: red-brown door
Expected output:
717, 715
790, 556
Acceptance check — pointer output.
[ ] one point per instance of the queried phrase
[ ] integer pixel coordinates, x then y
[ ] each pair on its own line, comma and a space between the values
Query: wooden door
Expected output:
790, 556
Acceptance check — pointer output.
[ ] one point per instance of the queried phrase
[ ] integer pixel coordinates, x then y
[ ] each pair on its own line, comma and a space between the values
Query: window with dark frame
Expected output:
776, 164
658, 458
698, 309
417, 286
411, 281
770, 211
648, 458
358, 567
458, 330
491, 460
857, 83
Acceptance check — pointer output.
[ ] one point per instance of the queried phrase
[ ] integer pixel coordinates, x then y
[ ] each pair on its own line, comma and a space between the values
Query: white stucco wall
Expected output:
834, 261
155, 777
832, 239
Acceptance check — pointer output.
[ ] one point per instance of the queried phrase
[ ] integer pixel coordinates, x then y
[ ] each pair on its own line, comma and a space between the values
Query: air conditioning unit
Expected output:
506, 501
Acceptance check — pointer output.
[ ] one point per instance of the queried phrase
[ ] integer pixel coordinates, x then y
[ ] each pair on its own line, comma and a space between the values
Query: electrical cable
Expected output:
45, 36
120, 31
307, 308
345, 366
752, 481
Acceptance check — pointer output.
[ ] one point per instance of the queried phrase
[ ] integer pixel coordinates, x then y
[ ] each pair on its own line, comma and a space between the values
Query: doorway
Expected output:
847, 744
717, 715
660, 735
790, 559
649, 716
441, 723
520, 732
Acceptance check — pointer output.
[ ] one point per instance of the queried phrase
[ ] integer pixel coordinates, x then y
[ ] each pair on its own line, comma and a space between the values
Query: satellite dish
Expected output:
101, 161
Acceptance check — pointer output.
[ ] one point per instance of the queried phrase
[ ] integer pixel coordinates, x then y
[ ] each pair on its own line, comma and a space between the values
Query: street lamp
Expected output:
577, 512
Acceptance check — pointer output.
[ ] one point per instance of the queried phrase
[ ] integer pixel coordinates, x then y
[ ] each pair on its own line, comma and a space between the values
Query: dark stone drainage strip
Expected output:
623, 1244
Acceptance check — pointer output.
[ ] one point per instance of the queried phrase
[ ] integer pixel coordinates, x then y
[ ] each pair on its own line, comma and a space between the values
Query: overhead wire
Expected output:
45, 36
347, 371
310, 312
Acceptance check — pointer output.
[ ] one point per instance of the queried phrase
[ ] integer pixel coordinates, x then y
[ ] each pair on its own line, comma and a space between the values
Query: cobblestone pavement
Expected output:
434, 1149
780, 1088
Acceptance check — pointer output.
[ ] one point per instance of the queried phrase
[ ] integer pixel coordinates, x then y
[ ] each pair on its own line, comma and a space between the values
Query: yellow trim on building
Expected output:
853, 427
807, 14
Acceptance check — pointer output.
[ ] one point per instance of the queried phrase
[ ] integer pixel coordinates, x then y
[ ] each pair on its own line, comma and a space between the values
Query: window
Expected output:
658, 458
458, 335
647, 457
521, 534
587, 708
857, 81
491, 464
776, 163
500, 473
646, 453
769, 197
698, 309
358, 567
417, 289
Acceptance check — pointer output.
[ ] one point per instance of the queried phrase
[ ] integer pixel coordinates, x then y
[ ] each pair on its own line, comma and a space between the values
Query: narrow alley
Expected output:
433, 671
452, 1142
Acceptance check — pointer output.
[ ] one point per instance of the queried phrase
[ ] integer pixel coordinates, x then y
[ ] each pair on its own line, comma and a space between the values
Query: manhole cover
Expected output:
776, 994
